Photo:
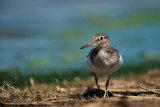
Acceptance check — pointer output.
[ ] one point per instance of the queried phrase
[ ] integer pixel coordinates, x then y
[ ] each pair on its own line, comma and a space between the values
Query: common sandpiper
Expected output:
104, 59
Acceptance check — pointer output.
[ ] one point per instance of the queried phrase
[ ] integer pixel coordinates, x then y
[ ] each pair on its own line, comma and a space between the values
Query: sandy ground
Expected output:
141, 91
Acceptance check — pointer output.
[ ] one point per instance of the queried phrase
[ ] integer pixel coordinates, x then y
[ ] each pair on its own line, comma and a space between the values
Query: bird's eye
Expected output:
101, 38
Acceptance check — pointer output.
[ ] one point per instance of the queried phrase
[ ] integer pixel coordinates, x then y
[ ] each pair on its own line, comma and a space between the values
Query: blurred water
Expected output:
48, 34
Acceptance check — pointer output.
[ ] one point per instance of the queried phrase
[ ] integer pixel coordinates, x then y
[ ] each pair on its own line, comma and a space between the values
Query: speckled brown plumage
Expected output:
104, 59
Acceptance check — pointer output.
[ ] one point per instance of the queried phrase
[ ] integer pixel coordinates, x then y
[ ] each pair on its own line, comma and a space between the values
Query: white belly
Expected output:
107, 69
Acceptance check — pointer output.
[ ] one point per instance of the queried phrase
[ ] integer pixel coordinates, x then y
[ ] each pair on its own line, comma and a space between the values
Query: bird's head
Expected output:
100, 40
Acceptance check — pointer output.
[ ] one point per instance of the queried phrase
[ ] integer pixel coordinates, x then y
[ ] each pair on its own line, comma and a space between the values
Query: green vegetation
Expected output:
16, 78
134, 19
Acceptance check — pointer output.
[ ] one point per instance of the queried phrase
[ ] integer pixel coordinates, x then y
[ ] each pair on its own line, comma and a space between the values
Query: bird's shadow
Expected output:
92, 92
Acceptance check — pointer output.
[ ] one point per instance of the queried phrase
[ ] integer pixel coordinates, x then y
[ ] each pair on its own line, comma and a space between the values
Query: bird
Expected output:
103, 59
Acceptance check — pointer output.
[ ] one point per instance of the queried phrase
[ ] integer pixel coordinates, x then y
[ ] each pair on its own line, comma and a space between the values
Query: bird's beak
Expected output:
89, 44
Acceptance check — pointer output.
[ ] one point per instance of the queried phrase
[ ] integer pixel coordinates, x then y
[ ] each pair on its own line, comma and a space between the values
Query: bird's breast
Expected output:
104, 63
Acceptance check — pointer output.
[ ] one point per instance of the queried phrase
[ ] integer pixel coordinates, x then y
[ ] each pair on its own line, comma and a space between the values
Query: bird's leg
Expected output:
107, 83
96, 80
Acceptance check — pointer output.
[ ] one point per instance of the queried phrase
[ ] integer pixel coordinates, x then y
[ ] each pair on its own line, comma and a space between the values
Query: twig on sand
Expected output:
57, 85
155, 92
133, 91
15, 90
2, 89
26, 104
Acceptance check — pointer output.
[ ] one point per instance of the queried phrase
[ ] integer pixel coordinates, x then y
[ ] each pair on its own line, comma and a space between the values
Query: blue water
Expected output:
48, 34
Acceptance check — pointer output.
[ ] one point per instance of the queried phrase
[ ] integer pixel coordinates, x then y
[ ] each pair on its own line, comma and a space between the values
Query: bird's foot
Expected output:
107, 94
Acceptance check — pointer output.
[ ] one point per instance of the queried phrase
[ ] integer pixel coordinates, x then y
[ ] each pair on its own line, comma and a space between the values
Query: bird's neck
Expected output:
103, 47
